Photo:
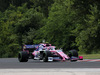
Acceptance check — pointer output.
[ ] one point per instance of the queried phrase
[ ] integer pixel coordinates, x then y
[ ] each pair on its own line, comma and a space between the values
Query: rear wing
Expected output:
30, 48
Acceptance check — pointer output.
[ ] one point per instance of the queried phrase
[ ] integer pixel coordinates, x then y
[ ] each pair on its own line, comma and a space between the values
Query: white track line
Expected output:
56, 71
53, 70
89, 60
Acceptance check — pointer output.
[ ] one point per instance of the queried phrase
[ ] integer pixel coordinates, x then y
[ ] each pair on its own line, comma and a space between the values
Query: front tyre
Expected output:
46, 54
23, 56
73, 53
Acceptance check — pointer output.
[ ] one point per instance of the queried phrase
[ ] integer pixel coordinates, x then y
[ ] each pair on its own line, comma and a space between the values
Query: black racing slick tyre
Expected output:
23, 56
46, 54
73, 53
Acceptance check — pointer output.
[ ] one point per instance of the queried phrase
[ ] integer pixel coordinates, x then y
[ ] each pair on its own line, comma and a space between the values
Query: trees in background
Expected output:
59, 24
68, 24
88, 35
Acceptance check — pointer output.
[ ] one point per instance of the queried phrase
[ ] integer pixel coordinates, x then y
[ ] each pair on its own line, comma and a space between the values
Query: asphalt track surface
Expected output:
7, 63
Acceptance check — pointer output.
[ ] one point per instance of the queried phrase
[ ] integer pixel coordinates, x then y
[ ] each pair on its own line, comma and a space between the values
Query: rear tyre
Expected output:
23, 56
46, 54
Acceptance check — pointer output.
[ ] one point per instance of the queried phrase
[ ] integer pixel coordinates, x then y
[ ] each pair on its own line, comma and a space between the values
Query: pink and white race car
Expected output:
46, 52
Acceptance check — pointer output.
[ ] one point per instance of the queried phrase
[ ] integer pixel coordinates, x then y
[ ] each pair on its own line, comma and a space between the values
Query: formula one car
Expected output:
46, 52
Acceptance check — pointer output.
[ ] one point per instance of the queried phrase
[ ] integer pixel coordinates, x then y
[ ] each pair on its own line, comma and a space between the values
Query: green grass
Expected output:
90, 56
